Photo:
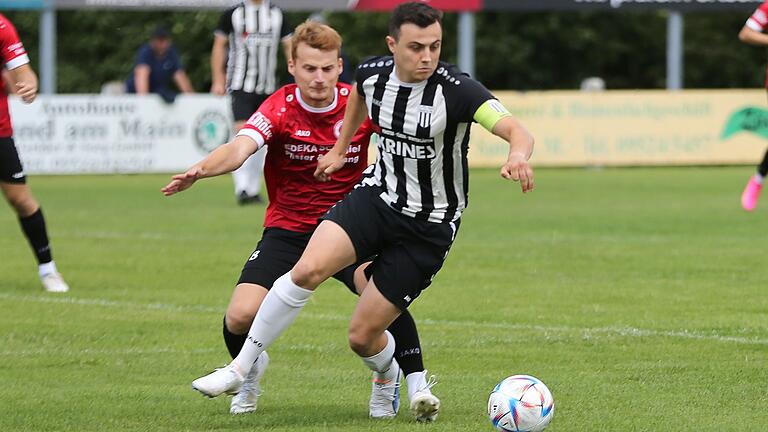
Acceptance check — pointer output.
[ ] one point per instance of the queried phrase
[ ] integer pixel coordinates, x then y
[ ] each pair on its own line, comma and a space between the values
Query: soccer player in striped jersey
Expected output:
21, 79
753, 33
243, 63
299, 123
407, 212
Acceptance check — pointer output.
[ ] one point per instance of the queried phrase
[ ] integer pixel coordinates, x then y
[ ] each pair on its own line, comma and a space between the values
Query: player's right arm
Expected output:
22, 78
24, 82
258, 131
752, 32
226, 158
354, 115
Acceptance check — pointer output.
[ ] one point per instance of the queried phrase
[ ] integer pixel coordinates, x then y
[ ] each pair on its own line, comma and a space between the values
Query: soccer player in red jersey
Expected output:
753, 33
21, 79
299, 123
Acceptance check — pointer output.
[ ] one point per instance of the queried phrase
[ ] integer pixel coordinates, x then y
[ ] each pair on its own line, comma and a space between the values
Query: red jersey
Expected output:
296, 134
12, 55
758, 22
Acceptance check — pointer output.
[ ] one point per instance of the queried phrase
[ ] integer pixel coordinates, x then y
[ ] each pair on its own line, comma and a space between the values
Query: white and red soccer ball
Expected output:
520, 403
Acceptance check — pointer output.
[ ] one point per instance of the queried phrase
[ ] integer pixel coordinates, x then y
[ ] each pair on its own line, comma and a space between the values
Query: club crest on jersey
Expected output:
425, 116
337, 128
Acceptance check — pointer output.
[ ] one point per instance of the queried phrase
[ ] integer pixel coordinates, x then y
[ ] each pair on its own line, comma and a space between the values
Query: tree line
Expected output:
515, 51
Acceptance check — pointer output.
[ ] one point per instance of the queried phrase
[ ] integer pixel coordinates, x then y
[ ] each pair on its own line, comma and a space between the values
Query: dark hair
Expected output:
160, 32
421, 14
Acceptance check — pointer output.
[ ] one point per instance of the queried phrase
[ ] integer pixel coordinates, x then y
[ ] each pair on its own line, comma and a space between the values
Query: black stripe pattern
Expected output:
253, 44
422, 166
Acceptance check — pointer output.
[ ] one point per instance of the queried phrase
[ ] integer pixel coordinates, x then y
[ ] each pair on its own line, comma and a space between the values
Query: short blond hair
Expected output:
316, 35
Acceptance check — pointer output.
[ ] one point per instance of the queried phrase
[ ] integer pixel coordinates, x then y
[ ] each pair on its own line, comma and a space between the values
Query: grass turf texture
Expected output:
638, 296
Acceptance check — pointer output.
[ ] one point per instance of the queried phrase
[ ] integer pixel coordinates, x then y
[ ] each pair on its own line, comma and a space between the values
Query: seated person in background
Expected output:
157, 62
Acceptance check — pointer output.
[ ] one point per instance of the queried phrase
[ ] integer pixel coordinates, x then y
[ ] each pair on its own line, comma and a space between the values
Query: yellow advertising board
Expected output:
621, 128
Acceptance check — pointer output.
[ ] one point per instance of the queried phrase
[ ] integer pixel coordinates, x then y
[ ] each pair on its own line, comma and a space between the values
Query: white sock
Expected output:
47, 268
759, 179
278, 310
382, 361
417, 381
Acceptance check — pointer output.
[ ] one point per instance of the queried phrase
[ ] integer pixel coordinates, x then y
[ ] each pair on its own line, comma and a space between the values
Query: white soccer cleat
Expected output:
385, 393
225, 380
424, 405
53, 282
246, 399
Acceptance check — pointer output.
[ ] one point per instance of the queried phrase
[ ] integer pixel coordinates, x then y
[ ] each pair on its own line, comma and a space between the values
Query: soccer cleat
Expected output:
246, 399
385, 393
224, 380
425, 405
751, 194
53, 282
244, 199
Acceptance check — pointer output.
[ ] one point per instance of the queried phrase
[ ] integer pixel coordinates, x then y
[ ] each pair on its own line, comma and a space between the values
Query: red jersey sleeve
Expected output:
368, 128
759, 19
12, 51
264, 125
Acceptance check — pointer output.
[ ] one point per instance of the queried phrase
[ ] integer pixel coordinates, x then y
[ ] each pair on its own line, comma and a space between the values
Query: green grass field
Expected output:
640, 296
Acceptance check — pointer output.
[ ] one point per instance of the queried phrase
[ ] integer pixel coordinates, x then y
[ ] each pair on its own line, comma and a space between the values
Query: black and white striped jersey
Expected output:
254, 33
424, 138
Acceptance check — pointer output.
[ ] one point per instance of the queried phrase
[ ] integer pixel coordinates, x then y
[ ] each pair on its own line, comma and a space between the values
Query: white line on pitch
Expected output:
586, 331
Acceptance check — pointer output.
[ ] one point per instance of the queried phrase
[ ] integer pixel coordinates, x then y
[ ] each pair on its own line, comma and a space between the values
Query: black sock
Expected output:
233, 341
407, 347
762, 169
34, 229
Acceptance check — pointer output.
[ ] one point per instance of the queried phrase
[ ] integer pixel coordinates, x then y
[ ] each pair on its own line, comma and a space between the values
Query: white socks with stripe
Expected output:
278, 310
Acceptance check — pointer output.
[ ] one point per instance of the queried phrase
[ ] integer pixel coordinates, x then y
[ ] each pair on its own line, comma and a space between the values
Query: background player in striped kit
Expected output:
299, 123
407, 211
752, 33
252, 31
21, 79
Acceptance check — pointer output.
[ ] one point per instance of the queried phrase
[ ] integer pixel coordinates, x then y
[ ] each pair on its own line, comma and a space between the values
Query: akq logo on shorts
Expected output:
749, 119
211, 130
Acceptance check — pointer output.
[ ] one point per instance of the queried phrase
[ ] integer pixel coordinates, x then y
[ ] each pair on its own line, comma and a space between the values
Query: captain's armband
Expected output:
490, 113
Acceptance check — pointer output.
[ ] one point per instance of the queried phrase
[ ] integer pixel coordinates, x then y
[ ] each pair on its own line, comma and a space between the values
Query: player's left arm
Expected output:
23, 80
495, 118
471, 101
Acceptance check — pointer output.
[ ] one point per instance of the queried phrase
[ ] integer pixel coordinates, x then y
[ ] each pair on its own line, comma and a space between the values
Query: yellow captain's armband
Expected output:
490, 113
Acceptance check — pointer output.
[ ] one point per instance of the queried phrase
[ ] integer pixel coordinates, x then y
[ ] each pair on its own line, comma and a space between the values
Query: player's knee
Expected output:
307, 274
239, 318
23, 204
360, 340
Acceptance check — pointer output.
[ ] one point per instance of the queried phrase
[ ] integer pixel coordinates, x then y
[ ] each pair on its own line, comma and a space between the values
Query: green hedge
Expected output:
522, 51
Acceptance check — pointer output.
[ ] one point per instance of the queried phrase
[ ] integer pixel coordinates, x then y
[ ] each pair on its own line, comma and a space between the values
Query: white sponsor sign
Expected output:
76, 134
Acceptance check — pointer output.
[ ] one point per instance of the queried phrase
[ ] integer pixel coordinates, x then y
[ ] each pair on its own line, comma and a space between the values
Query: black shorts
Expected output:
276, 253
11, 170
408, 252
245, 104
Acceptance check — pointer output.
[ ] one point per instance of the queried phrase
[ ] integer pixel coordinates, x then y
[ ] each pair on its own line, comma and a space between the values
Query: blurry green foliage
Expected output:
522, 51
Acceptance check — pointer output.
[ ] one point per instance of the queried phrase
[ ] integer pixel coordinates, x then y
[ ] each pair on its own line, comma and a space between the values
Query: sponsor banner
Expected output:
623, 128
73, 134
